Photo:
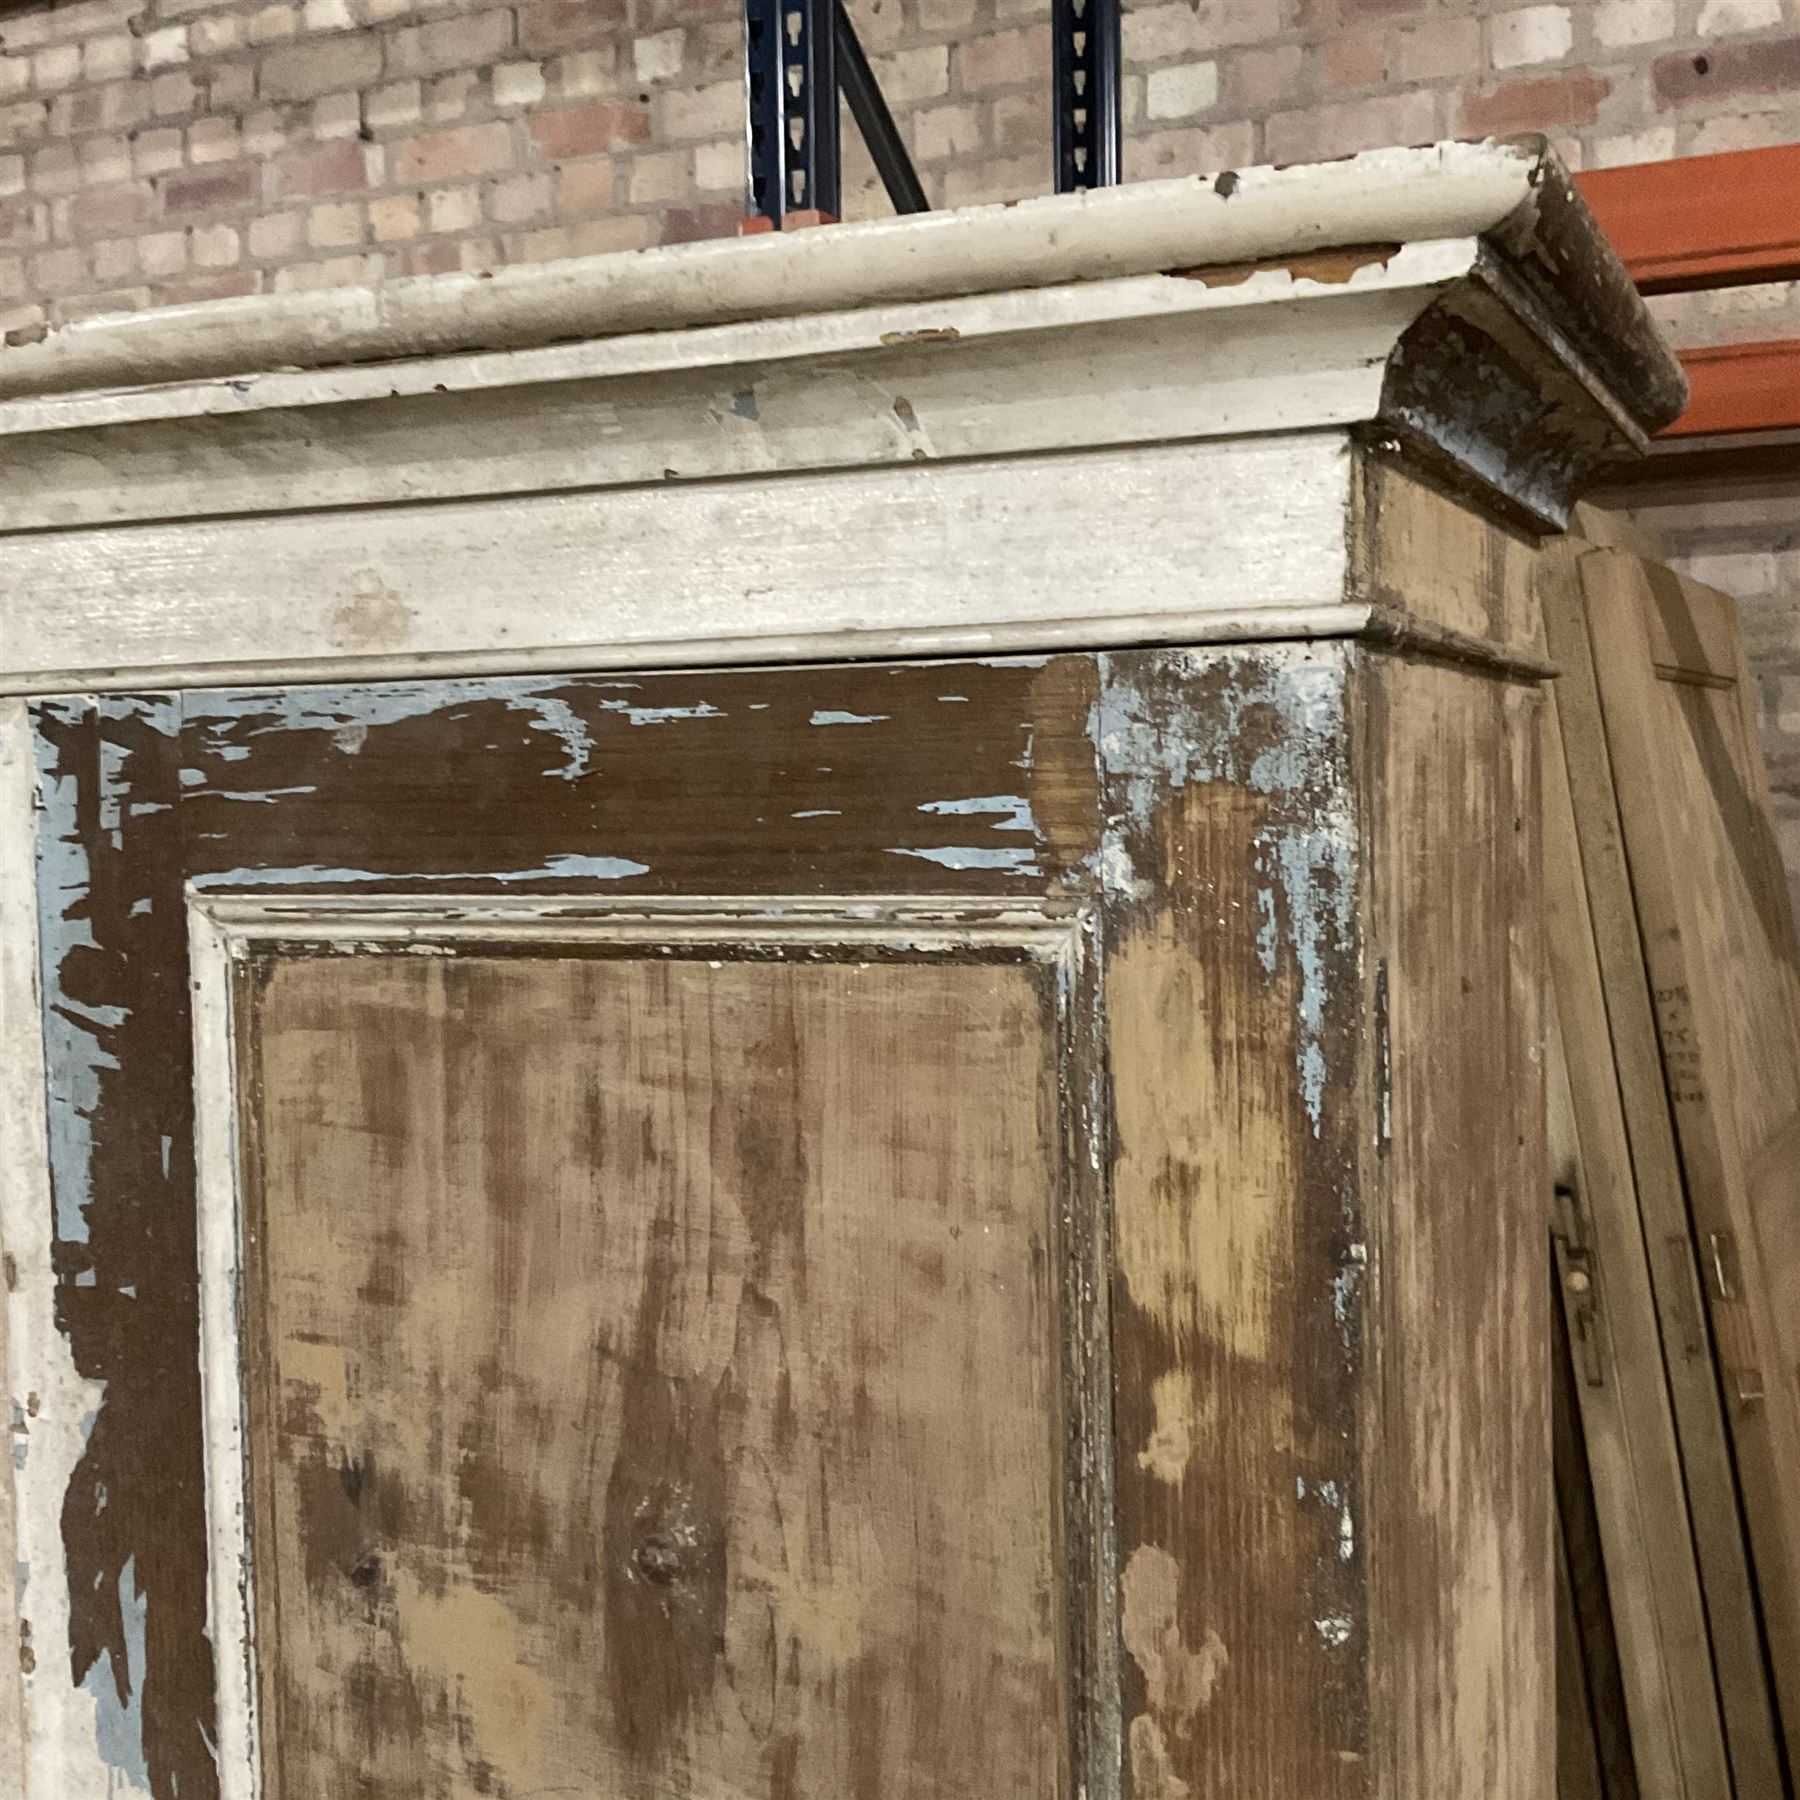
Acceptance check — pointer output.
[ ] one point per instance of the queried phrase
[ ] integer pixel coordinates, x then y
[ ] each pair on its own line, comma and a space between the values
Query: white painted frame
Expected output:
226, 928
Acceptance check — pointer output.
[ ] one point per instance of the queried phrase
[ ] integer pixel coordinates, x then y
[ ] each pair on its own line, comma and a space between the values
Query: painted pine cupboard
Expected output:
771, 1012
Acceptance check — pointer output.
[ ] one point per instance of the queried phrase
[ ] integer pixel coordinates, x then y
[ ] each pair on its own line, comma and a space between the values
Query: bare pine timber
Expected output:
1718, 941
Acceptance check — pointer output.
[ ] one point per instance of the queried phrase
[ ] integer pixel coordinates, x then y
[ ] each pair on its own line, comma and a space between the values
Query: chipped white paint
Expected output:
1447, 191
50, 1403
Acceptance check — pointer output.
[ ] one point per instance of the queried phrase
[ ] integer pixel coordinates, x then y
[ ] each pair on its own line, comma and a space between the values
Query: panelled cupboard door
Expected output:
778, 1234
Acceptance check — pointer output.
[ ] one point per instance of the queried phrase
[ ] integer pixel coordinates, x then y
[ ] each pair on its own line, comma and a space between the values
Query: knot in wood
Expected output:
658, 1559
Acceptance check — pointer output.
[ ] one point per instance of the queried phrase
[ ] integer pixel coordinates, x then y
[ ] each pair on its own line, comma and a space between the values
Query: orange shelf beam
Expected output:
1702, 221
1741, 387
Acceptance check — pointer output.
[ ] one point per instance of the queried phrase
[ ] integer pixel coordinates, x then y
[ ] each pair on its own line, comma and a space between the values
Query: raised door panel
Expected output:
655, 1386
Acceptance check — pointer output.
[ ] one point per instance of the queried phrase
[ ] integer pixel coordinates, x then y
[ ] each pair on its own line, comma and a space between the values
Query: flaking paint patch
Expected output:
590, 868
1012, 812
118, 1695
826, 715
1309, 858
1015, 859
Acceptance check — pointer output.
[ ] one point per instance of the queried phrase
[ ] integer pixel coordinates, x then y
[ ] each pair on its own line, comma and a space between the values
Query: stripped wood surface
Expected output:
1261, 1548
1630, 1451
1718, 941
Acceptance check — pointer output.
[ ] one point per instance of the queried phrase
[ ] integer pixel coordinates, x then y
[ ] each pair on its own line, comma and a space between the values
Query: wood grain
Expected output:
675, 1412
1625, 1003
1718, 941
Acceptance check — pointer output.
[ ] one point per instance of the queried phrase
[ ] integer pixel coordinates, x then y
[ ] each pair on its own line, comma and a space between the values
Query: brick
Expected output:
1618, 23
12, 174
719, 168
213, 141
174, 94
569, 24
399, 103
1020, 121
270, 131
453, 209
15, 75
660, 180
204, 190
689, 224
523, 199
909, 76
941, 131
1197, 27
1726, 71
104, 159
12, 277
110, 58
113, 260
658, 57
230, 87
1437, 50
1655, 145
452, 155
56, 169
394, 217
57, 271
330, 272
1181, 91
1720, 17
165, 47
219, 284
101, 212
214, 246
518, 84
335, 225
24, 222
271, 24
586, 73
953, 18
703, 112
1009, 58
1200, 150
302, 71
978, 180
336, 116
459, 43
1355, 60
110, 304
156, 152
327, 15
1540, 105
1531, 34
588, 130
162, 253
1344, 128
340, 168
56, 67
21, 123
277, 235
447, 97
218, 34
1743, 131
1255, 80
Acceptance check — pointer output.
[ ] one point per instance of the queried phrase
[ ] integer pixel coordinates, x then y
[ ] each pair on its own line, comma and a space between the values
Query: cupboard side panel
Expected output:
1459, 1451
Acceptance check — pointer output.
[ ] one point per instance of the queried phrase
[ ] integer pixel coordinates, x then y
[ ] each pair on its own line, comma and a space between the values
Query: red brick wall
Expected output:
159, 150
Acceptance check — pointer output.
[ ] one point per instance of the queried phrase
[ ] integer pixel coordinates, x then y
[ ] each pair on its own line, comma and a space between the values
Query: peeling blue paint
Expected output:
817, 812
77, 1051
118, 1693
1013, 810
1019, 860
826, 716
594, 868
1310, 855
262, 796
